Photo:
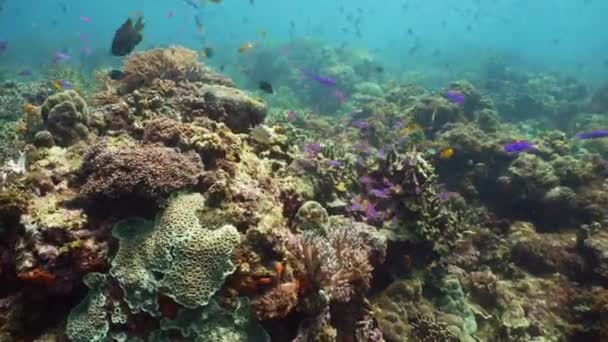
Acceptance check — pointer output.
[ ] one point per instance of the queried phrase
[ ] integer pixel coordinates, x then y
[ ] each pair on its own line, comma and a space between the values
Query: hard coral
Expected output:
66, 116
148, 172
174, 63
193, 260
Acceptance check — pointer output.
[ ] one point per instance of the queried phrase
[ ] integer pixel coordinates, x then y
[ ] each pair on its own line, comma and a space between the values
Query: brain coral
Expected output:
178, 257
143, 171
66, 116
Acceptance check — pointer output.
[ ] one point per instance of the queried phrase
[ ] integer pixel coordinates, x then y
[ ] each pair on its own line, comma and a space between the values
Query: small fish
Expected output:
85, 19
446, 153
341, 187
312, 149
366, 180
381, 193
362, 124
61, 85
291, 115
3, 46
412, 128
117, 75
63, 7
25, 72
518, 146
379, 69
333, 163
454, 96
245, 47
340, 96
198, 23
191, 3
61, 57
326, 81
599, 133
169, 14
83, 37
266, 87
207, 52
215, 1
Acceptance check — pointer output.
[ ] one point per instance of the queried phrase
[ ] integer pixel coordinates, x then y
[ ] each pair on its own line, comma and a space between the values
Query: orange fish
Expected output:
37, 276
245, 47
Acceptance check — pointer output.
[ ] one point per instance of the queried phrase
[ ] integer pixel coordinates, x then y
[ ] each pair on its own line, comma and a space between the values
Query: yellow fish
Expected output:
411, 128
245, 47
446, 153
57, 85
341, 187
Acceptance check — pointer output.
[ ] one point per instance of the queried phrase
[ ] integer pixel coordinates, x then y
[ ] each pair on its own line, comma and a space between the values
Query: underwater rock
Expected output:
148, 172
594, 244
66, 116
545, 253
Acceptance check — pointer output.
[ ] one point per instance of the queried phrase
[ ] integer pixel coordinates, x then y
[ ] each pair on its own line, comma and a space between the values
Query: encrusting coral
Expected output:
148, 172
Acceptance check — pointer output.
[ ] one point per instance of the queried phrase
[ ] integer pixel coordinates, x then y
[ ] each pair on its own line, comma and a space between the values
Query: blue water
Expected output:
447, 36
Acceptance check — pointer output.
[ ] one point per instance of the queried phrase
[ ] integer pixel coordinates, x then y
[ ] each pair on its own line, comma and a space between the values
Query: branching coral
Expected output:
142, 171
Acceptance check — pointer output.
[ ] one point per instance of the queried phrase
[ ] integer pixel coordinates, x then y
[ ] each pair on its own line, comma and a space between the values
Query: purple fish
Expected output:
361, 124
326, 81
367, 180
598, 133
381, 193
371, 213
333, 163
381, 154
3, 46
84, 37
518, 146
454, 96
61, 57
312, 149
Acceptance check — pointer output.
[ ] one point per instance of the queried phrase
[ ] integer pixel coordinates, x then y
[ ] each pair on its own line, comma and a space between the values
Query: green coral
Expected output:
454, 302
177, 257
88, 322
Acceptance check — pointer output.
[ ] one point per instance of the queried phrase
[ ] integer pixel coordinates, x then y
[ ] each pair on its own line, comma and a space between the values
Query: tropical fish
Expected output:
207, 52
599, 133
266, 87
116, 75
326, 81
341, 187
518, 146
61, 57
191, 3
25, 72
454, 96
170, 15
127, 37
446, 153
3, 46
85, 19
411, 128
245, 47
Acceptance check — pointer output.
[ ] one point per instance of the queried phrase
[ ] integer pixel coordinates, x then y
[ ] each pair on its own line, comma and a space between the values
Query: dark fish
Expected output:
127, 37
191, 3
3, 46
63, 7
266, 87
379, 69
208, 52
222, 67
117, 75
25, 72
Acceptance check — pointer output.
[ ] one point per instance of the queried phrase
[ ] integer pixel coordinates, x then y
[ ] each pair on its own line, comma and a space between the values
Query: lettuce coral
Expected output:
177, 258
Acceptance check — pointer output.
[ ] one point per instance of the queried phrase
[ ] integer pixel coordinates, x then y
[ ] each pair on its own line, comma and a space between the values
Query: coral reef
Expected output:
66, 117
